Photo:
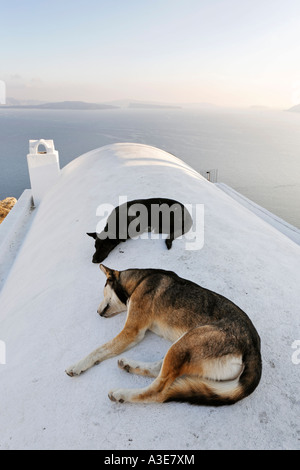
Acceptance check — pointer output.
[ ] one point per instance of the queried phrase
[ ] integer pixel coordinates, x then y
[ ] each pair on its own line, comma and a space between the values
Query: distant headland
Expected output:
295, 109
82, 105
77, 105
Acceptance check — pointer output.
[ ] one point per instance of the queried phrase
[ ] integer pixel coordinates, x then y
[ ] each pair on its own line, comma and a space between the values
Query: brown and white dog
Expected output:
215, 356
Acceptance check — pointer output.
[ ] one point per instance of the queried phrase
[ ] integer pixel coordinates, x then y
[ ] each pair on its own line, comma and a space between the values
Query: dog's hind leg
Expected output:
172, 367
169, 241
149, 369
153, 393
198, 355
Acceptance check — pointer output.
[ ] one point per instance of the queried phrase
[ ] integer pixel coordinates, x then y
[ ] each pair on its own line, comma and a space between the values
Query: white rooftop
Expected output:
48, 317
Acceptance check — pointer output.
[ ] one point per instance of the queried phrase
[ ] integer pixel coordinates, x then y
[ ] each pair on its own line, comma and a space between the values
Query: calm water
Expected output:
255, 152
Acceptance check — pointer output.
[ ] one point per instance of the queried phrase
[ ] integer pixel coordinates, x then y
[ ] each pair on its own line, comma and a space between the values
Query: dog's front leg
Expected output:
128, 337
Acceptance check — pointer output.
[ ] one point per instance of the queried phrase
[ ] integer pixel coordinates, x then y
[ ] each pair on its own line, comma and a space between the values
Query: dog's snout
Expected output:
102, 313
97, 259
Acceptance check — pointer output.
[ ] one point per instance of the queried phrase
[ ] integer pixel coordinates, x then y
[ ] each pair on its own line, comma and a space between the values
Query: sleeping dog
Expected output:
157, 214
215, 357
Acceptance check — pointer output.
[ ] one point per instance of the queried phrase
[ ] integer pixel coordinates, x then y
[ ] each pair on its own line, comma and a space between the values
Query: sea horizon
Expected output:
254, 150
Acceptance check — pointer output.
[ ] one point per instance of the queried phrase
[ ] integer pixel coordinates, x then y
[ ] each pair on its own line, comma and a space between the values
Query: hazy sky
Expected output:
228, 52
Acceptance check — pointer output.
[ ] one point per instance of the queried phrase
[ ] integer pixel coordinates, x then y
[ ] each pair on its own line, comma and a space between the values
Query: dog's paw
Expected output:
74, 370
118, 395
169, 243
124, 365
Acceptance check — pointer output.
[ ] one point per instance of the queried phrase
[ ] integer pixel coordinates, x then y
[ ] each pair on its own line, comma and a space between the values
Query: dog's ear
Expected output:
109, 273
93, 235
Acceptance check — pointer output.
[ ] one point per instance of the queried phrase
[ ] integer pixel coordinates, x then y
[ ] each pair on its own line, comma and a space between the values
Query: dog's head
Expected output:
115, 296
102, 247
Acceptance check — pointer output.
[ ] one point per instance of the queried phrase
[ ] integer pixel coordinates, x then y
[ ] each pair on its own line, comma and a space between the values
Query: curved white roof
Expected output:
48, 316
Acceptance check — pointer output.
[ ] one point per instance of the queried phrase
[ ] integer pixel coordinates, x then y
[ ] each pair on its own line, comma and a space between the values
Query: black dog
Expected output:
157, 214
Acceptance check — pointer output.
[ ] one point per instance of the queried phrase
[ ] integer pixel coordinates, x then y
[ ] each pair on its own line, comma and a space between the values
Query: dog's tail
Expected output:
200, 391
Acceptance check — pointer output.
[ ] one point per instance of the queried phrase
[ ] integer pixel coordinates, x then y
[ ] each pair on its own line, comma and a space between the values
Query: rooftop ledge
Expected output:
48, 316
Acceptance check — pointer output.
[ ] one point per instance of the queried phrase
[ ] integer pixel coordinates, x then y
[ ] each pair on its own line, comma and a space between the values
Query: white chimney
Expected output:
43, 166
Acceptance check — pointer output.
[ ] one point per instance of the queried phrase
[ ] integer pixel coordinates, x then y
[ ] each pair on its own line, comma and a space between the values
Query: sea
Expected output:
255, 151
